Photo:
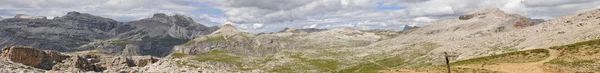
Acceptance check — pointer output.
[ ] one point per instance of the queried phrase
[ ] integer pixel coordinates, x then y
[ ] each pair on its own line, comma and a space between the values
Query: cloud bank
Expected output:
274, 15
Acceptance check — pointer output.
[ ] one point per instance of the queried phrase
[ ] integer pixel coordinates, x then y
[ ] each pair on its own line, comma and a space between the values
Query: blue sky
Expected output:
273, 15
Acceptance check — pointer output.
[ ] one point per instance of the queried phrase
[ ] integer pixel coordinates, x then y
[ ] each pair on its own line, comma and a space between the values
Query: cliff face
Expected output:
81, 31
61, 34
32, 57
55, 61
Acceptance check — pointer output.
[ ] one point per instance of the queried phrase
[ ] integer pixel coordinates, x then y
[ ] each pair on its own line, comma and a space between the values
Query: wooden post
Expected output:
447, 62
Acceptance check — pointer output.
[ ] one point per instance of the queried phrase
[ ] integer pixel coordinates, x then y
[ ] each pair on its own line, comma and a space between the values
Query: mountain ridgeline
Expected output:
476, 38
81, 31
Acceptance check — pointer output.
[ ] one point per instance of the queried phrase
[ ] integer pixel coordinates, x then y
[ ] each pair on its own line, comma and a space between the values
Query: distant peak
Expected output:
349, 30
484, 12
78, 14
159, 15
228, 25
73, 13
291, 30
227, 30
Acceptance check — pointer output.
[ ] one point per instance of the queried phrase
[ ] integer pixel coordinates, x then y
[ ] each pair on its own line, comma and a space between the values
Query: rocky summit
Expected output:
488, 40
81, 31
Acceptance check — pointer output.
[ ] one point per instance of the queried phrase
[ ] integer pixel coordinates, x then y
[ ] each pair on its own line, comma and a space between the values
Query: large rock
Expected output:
131, 50
32, 57
102, 63
78, 63
141, 61
25, 55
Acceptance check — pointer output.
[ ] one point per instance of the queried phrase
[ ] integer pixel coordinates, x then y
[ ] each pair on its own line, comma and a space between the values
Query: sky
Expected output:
274, 15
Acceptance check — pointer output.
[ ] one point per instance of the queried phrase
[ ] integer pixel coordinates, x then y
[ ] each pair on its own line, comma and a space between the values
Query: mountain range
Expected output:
81, 42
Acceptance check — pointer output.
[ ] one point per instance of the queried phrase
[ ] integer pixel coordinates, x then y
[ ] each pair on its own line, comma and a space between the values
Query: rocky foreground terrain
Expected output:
80, 42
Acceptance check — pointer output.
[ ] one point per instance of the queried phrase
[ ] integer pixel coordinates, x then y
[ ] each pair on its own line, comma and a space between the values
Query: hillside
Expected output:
488, 40
579, 57
475, 34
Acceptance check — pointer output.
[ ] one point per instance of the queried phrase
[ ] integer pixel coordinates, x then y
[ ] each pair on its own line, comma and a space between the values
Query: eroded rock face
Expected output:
32, 57
77, 31
141, 61
25, 55
97, 63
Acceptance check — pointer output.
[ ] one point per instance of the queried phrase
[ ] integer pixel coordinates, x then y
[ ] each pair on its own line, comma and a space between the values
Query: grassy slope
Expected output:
579, 57
511, 57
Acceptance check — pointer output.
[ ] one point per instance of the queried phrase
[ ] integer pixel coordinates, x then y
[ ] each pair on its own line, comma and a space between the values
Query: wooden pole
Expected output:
447, 62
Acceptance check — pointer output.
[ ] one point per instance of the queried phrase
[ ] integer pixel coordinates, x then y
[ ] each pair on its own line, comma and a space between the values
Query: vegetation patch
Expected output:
396, 61
572, 63
210, 39
182, 63
169, 41
219, 56
305, 64
511, 57
178, 55
578, 57
95, 52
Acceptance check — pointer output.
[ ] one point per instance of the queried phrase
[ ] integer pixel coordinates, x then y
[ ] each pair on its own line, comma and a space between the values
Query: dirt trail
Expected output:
534, 67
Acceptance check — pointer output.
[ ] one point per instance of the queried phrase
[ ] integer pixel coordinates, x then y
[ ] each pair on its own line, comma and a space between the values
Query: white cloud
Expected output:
311, 26
258, 26
424, 19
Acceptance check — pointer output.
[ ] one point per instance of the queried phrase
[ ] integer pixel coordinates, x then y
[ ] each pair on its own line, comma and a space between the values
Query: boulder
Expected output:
141, 61
78, 63
24, 55
55, 56
465, 17
131, 50
32, 57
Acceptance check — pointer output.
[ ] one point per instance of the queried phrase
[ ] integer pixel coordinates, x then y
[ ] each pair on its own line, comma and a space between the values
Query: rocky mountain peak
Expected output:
160, 15
349, 31
408, 27
73, 13
227, 30
492, 12
290, 30
83, 17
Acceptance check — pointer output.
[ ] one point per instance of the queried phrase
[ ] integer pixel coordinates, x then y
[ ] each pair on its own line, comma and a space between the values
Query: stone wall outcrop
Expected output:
43, 59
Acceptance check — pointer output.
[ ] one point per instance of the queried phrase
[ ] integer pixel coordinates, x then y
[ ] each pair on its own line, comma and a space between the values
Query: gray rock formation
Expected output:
309, 30
61, 34
52, 60
81, 31
230, 39
408, 27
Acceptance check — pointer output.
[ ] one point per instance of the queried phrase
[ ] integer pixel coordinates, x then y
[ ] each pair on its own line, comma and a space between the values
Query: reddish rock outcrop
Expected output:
25, 55
32, 57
